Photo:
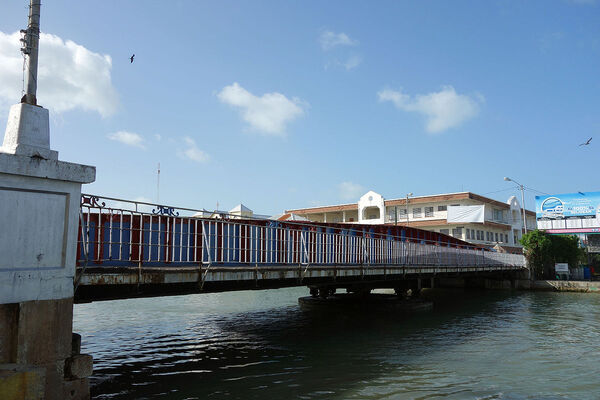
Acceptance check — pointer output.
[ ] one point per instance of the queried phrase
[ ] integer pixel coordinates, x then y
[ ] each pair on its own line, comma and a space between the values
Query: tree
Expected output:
537, 247
543, 250
566, 249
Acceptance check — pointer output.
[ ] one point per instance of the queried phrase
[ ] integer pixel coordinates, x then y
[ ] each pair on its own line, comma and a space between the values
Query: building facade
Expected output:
465, 215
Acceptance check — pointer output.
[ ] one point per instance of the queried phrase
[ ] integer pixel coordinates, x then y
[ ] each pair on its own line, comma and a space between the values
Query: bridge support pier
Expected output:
39, 217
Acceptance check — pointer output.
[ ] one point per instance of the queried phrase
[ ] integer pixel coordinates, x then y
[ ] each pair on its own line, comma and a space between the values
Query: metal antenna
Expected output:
158, 184
31, 40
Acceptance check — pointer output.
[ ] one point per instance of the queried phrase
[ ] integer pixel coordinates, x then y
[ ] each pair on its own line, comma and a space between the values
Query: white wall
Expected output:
368, 200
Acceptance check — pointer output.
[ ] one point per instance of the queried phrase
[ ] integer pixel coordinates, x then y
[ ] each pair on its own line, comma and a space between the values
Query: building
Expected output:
465, 215
238, 212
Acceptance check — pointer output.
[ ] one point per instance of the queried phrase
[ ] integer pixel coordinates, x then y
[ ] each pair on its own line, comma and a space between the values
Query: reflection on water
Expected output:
245, 345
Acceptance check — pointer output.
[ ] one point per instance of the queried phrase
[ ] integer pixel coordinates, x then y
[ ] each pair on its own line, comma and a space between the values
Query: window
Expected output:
417, 212
498, 215
391, 211
428, 212
468, 233
506, 237
402, 213
445, 231
487, 236
442, 208
496, 236
457, 233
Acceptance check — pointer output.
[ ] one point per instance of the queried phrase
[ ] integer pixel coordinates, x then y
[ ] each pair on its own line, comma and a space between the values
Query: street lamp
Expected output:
522, 200
407, 219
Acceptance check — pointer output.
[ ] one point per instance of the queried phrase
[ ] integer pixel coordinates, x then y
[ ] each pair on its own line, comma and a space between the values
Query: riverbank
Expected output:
567, 286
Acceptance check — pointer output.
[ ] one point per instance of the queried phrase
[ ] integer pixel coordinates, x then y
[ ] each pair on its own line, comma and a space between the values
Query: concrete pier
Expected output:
39, 216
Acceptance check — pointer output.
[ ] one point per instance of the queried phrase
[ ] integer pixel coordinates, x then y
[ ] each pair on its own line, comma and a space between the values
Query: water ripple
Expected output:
256, 345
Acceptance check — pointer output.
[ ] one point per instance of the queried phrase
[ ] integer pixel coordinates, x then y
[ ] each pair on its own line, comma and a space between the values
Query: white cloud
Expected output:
443, 110
350, 190
128, 138
348, 64
335, 44
157, 137
69, 75
352, 62
267, 114
329, 40
192, 152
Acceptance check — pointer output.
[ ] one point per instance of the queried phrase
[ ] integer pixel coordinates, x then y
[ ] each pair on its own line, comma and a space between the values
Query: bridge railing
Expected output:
116, 232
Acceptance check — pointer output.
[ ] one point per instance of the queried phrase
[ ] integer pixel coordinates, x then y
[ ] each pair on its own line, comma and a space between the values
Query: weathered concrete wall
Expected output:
39, 220
19, 382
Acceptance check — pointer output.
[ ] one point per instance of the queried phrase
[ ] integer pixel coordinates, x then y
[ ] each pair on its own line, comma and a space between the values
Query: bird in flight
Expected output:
131, 58
586, 143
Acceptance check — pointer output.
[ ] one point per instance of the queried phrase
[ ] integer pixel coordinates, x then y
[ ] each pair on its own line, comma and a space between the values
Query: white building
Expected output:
467, 216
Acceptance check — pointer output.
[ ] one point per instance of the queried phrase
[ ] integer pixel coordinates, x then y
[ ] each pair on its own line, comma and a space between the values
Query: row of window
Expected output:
487, 236
473, 234
417, 212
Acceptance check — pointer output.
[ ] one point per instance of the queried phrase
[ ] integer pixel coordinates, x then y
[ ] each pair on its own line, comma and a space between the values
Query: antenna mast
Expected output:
30, 47
158, 184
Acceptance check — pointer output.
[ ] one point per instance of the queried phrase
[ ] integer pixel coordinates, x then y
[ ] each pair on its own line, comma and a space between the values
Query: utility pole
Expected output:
28, 127
407, 218
30, 48
523, 207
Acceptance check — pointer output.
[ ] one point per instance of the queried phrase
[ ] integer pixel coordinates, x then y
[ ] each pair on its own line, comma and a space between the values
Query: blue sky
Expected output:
281, 104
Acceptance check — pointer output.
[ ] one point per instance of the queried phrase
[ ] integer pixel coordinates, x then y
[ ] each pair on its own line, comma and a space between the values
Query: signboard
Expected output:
462, 214
569, 213
561, 267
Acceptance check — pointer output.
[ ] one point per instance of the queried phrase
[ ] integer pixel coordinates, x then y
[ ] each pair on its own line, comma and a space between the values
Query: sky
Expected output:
288, 104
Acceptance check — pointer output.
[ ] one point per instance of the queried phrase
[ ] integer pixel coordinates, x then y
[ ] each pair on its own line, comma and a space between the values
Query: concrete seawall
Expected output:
567, 286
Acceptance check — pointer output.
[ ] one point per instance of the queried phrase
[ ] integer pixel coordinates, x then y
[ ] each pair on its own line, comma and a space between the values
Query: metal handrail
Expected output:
110, 235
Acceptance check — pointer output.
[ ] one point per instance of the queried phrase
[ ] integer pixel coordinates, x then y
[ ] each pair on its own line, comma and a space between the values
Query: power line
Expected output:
498, 191
537, 191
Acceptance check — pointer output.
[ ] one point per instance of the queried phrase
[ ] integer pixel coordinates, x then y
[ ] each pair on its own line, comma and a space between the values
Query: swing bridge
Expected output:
131, 249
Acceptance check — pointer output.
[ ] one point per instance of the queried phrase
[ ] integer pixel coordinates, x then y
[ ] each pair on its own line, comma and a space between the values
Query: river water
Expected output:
261, 345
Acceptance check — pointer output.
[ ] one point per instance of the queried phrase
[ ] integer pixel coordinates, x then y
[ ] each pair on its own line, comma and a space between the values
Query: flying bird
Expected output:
131, 58
586, 143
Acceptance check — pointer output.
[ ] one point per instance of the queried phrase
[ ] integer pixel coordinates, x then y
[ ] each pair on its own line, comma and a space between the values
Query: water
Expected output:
260, 345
